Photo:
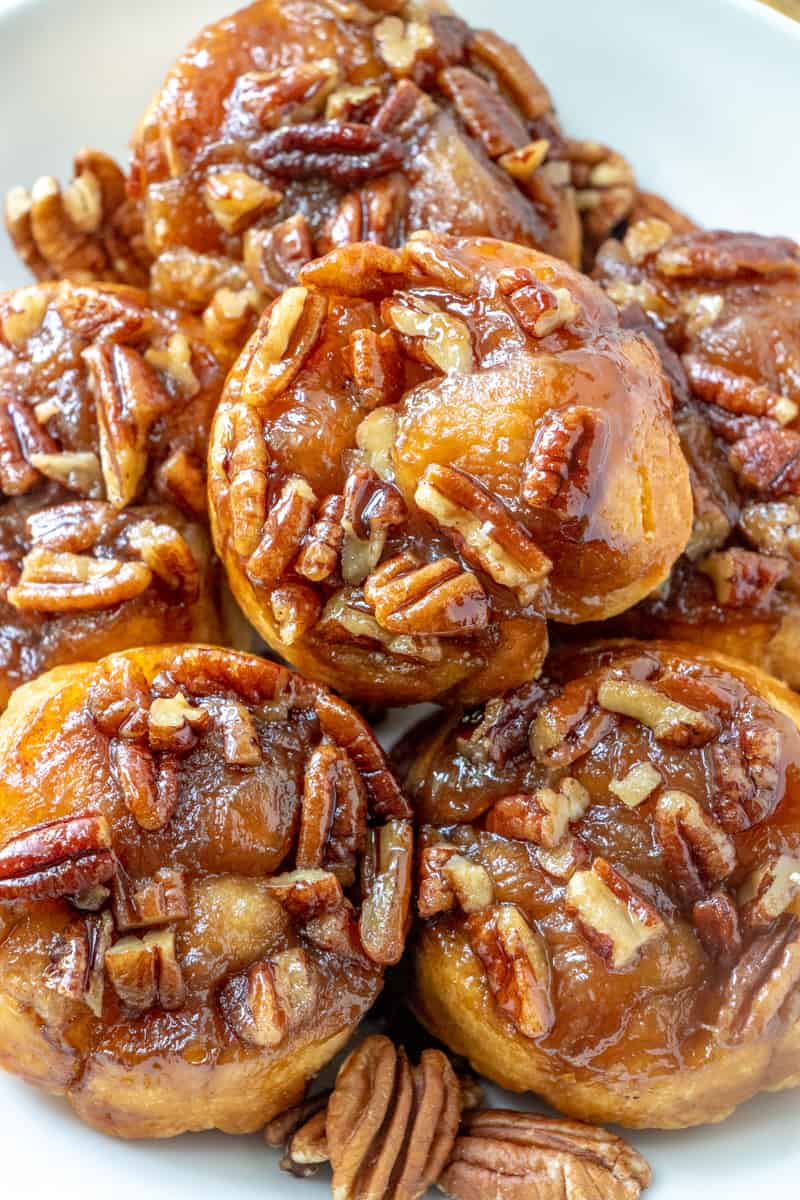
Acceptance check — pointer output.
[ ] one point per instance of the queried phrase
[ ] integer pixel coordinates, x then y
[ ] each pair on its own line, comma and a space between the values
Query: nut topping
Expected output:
77, 960
275, 996
289, 520
486, 533
698, 852
670, 721
716, 923
157, 901
517, 967
149, 788
307, 894
557, 473
637, 786
59, 858
447, 878
436, 598
241, 746
145, 973
615, 920
172, 723
399, 43
319, 558
540, 310
542, 817
743, 578
764, 982
387, 891
286, 335
510, 1155
64, 582
433, 336
334, 814
296, 608
236, 199
571, 725
745, 772
377, 367
769, 890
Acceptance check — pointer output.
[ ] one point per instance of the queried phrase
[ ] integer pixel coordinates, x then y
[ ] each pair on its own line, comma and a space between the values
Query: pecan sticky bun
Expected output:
105, 408
205, 865
424, 453
609, 884
725, 309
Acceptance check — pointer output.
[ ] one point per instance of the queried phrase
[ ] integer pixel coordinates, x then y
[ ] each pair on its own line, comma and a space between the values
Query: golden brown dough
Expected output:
609, 884
422, 454
725, 308
204, 867
105, 408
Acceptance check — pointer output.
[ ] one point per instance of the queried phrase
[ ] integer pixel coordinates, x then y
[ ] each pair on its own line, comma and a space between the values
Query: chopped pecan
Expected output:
487, 535
286, 525
119, 698
704, 254
736, 393
23, 316
241, 746
762, 985
391, 1126
228, 316
671, 722
399, 43
344, 728
286, 335
280, 1129
184, 278
745, 774
637, 786
333, 824
716, 923
542, 817
434, 336
386, 882
699, 854
352, 102
274, 997
167, 553
296, 608
181, 477
246, 462
17, 474
63, 582
306, 894
447, 878
77, 961
275, 256
337, 931
486, 115
512, 71
145, 972
319, 557
73, 527
173, 724
159, 900
605, 187
371, 508
615, 920
235, 199
58, 858
344, 620
768, 460
517, 967
646, 237
769, 890
571, 855
77, 470
508, 1155
540, 309
743, 578
569, 726
148, 787
522, 164
502, 733
773, 527
375, 438
343, 151
286, 95
377, 366
557, 473
437, 598
47, 237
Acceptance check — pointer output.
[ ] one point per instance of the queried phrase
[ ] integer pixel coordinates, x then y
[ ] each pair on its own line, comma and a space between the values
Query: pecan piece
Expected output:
62, 582
273, 998
671, 722
307, 1147
74, 527
487, 535
145, 972
512, 71
333, 823
744, 772
241, 745
698, 852
615, 920
160, 900
387, 880
743, 578
716, 923
437, 598
345, 152
296, 609
447, 878
517, 967
391, 1126
486, 115
508, 1155
432, 335
540, 309
77, 470
371, 508
275, 256
306, 894
287, 523
400, 43
637, 786
58, 858
571, 855
557, 474
542, 817
119, 698
173, 724
319, 557
763, 985
502, 733
236, 199
77, 961
345, 729
376, 366
702, 254
768, 460
181, 478
167, 553
149, 788
736, 393
769, 890
569, 726
286, 335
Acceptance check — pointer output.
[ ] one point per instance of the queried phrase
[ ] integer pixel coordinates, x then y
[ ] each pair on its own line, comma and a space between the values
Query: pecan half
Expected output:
763, 985
62, 582
768, 461
376, 366
486, 115
145, 972
344, 151
671, 722
745, 775
517, 967
58, 858
149, 788
288, 521
447, 879
119, 698
502, 733
736, 393
615, 920
387, 880
698, 852
716, 923
513, 72
274, 997
286, 335
436, 598
743, 578
769, 890
333, 824
486, 533
391, 1126
275, 256
557, 472
539, 308
429, 333
508, 1155
569, 726
319, 557
345, 729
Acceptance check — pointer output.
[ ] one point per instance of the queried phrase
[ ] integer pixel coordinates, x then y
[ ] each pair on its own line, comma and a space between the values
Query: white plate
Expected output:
703, 96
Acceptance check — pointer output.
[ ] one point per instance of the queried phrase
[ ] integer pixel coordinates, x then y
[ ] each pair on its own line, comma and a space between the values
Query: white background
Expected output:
704, 97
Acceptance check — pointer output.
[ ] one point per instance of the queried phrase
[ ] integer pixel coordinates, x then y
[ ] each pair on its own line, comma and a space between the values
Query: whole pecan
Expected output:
59, 858
762, 989
346, 152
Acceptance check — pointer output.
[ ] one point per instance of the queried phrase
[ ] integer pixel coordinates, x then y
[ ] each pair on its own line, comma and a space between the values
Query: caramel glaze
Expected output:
637, 1045
157, 1073
98, 479
235, 96
610, 533
724, 308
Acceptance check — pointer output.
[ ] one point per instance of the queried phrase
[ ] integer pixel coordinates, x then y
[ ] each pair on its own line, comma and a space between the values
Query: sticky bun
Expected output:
205, 865
725, 308
609, 884
105, 408
424, 453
